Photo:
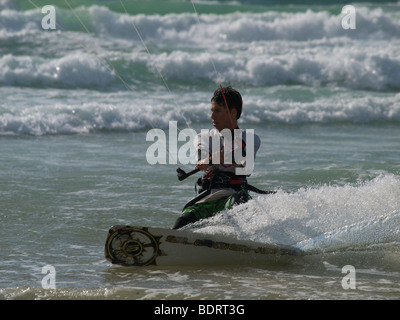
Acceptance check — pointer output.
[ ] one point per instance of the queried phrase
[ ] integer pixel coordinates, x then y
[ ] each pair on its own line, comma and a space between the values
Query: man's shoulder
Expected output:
254, 138
252, 132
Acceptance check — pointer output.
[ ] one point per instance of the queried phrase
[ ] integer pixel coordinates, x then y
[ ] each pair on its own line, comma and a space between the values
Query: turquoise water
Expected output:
77, 105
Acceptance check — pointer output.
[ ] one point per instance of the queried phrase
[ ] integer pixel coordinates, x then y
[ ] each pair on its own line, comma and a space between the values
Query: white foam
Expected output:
7, 4
340, 107
234, 27
375, 231
257, 49
377, 71
324, 218
250, 27
73, 70
55, 111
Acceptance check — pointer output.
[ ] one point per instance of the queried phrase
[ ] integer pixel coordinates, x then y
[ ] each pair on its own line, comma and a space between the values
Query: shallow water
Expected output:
324, 102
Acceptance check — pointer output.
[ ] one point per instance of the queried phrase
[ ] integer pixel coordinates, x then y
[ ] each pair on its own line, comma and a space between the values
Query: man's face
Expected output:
220, 117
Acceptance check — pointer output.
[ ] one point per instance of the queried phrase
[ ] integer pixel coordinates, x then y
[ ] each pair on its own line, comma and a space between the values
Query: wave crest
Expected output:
324, 219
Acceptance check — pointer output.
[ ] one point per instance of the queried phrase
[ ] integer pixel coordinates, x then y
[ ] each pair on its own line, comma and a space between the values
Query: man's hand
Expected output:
202, 166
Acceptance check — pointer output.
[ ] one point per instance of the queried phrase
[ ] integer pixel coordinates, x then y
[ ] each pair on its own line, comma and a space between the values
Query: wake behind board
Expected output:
141, 246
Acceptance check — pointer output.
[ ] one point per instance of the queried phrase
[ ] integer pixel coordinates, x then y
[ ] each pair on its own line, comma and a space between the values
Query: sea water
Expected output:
78, 101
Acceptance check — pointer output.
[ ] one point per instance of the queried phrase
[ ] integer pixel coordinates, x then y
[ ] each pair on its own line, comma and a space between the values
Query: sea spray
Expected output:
324, 218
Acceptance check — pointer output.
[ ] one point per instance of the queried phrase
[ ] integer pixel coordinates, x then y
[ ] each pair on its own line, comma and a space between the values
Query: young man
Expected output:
225, 158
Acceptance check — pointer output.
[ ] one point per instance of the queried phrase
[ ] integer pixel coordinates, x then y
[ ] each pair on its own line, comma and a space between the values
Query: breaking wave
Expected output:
254, 49
129, 112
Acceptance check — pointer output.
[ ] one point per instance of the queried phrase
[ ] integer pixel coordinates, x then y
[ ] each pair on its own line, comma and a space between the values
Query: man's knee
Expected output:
184, 220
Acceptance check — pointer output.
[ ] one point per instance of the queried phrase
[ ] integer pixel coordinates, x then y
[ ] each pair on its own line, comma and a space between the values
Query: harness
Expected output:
217, 179
221, 179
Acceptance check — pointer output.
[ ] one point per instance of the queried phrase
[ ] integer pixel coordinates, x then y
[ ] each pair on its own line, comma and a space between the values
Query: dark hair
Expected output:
233, 99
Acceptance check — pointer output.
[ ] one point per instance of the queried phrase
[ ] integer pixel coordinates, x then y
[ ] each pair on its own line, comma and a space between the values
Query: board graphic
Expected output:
142, 246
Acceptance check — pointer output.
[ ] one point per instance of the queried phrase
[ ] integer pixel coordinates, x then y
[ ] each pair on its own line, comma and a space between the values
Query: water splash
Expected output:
327, 218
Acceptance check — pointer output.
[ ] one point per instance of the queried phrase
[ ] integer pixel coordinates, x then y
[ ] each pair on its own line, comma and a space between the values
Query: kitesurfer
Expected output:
226, 155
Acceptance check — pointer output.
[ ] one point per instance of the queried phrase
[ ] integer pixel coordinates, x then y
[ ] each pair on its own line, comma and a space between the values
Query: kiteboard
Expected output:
141, 246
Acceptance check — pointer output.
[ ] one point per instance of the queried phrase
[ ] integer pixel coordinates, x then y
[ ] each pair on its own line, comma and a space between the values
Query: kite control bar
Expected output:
182, 175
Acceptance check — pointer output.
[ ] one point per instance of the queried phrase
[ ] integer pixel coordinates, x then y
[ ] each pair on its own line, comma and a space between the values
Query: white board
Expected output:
141, 246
